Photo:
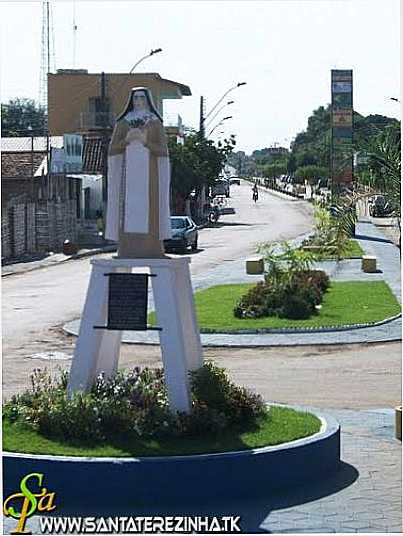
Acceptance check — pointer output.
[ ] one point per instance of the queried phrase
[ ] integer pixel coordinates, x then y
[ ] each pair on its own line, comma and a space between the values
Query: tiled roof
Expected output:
19, 164
24, 143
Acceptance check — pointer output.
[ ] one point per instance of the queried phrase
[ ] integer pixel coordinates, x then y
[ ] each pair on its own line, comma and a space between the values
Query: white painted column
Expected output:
187, 313
173, 349
84, 364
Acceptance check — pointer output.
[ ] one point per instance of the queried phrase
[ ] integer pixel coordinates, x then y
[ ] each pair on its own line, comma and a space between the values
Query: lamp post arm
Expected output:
215, 115
134, 67
138, 63
219, 102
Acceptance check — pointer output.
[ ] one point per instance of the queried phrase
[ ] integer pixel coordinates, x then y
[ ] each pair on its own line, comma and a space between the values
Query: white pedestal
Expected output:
98, 350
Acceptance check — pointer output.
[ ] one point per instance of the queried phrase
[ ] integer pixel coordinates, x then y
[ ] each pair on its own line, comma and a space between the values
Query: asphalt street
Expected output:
358, 384
36, 303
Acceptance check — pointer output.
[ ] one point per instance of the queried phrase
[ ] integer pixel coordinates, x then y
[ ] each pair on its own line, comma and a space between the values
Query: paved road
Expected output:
359, 385
36, 303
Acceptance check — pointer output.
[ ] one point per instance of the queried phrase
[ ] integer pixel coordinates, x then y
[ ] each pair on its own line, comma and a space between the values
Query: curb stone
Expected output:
77, 256
324, 329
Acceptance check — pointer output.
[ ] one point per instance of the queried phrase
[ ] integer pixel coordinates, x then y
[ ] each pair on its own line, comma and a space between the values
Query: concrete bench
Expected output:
254, 265
368, 264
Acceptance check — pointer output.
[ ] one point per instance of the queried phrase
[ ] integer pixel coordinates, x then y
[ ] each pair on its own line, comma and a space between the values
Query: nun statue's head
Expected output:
140, 103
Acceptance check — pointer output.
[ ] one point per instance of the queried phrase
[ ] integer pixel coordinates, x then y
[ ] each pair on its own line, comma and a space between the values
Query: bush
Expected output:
299, 304
304, 290
135, 402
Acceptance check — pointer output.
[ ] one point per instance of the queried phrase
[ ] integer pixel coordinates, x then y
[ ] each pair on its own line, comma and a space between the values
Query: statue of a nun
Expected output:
138, 214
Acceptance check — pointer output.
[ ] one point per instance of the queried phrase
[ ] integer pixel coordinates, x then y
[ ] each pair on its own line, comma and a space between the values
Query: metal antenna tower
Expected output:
47, 54
74, 34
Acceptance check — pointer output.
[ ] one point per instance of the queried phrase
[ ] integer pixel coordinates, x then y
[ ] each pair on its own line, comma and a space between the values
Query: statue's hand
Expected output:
135, 134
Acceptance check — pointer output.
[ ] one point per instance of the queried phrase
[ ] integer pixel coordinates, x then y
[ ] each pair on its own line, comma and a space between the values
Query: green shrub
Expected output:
270, 297
299, 304
132, 402
211, 387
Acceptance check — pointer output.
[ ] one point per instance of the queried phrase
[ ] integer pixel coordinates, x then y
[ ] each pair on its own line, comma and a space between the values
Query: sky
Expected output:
283, 49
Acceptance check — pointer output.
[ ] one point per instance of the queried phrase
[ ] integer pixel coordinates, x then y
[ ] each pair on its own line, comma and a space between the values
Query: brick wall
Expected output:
18, 228
27, 227
55, 223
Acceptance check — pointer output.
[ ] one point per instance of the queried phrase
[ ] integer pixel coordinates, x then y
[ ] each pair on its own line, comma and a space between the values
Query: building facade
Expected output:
80, 101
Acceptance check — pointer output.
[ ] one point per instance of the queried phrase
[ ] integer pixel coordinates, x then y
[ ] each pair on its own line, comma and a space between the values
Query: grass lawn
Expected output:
278, 426
350, 302
353, 250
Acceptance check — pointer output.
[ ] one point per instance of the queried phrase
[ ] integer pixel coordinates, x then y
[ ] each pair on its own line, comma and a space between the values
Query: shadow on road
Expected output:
232, 224
373, 239
253, 510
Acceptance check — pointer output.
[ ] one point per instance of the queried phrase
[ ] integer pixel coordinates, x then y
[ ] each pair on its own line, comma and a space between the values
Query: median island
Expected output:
129, 416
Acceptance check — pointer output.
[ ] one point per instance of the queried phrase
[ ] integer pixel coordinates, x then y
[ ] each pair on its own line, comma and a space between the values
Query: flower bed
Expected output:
129, 416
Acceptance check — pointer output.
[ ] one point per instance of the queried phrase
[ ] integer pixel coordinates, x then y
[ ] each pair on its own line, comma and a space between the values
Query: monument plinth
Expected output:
138, 217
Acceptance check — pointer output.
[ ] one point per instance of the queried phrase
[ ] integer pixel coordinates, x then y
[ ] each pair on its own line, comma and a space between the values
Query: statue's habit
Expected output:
138, 214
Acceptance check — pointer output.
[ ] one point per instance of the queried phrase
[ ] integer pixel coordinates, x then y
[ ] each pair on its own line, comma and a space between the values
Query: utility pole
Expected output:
201, 124
105, 145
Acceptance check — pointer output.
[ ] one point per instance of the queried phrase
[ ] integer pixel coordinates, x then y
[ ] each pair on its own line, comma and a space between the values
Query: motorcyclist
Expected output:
255, 193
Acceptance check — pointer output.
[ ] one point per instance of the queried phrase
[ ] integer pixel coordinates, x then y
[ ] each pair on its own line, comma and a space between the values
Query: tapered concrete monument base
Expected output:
97, 350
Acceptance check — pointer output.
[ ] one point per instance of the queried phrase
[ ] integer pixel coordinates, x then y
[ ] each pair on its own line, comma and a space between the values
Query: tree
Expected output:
384, 154
194, 164
311, 173
271, 171
19, 117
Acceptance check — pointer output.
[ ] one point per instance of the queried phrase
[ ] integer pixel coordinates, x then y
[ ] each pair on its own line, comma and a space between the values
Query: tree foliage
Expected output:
274, 170
384, 153
311, 172
21, 117
312, 146
196, 163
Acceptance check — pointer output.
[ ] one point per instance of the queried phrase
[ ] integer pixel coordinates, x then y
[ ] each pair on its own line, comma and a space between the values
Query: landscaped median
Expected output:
122, 435
346, 303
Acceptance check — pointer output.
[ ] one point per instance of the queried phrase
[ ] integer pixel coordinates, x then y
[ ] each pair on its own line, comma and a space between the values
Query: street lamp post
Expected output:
203, 118
154, 51
218, 111
239, 84
219, 124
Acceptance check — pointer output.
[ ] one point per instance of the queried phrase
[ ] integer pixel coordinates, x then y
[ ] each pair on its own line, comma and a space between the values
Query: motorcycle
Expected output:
214, 215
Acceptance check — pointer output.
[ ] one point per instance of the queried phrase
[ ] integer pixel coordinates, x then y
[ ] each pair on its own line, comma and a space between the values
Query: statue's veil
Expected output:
129, 104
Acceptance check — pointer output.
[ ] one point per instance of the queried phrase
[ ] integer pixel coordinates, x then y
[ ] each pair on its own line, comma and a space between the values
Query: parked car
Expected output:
379, 207
184, 234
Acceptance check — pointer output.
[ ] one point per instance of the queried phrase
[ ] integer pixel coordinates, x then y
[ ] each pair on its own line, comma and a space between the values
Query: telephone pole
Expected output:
201, 124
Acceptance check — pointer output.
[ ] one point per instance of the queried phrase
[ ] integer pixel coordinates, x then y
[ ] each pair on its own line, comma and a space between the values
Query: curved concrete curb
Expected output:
325, 329
387, 332
115, 481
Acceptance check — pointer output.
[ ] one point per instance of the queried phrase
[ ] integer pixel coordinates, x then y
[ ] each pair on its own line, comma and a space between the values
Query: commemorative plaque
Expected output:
127, 302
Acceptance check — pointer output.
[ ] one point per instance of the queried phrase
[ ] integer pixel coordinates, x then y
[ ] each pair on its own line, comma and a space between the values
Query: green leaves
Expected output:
19, 116
197, 162
385, 164
312, 172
